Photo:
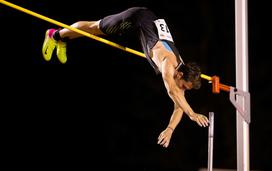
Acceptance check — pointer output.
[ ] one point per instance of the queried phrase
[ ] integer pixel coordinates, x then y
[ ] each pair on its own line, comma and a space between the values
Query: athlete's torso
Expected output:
159, 52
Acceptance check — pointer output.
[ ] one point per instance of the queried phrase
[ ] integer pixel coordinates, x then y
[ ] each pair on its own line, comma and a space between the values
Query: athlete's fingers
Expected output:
160, 139
165, 140
205, 121
197, 121
161, 134
202, 122
166, 145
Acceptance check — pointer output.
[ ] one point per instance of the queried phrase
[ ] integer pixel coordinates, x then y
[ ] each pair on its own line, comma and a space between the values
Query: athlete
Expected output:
159, 49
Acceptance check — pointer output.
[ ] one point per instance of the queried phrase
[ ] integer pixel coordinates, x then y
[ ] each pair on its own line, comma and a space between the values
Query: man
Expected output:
159, 48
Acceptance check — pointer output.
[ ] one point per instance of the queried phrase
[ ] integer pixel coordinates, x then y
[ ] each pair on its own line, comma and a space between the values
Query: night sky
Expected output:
105, 107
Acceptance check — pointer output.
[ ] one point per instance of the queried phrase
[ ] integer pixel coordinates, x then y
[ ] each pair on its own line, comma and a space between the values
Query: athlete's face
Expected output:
182, 84
187, 85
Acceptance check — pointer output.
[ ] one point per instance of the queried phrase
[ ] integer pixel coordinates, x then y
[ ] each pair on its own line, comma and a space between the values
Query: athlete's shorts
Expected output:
139, 20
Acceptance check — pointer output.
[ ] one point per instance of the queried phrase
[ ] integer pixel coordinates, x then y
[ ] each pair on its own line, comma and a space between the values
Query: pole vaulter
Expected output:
93, 36
215, 80
240, 98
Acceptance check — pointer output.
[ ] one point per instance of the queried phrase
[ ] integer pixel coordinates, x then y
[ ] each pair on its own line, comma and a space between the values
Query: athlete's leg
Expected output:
91, 27
57, 38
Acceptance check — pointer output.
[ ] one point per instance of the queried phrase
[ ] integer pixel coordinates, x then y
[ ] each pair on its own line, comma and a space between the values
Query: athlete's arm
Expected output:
165, 136
175, 117
177, 94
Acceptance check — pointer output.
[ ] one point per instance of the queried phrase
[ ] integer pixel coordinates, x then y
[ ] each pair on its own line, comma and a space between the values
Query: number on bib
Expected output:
163, 31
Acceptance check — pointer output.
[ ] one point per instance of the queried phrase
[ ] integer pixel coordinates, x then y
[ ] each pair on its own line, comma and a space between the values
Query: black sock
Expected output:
57, 37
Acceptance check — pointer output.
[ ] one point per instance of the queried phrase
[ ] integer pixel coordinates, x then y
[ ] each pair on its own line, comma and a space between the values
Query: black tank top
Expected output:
141, 21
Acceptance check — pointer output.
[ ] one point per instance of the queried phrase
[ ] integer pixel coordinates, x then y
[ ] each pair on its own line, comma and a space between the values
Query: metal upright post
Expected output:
242, 126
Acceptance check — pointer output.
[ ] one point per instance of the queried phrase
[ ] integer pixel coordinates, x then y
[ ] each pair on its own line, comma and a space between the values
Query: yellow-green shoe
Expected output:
61, 51
49, 45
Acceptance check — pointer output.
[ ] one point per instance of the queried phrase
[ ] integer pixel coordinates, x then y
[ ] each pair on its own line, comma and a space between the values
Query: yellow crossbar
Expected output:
72, 28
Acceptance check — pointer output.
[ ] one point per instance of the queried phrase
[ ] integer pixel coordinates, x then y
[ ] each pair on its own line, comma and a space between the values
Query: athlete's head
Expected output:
191, 73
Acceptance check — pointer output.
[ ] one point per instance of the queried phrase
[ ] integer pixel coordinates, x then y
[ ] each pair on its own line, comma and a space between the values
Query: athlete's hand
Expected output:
201, 120
165, 137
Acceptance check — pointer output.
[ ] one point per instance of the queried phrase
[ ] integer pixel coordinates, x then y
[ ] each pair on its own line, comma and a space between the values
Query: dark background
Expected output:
105, 108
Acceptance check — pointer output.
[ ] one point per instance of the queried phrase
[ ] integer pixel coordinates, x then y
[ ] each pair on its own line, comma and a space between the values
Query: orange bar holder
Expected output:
217, 86
244, 110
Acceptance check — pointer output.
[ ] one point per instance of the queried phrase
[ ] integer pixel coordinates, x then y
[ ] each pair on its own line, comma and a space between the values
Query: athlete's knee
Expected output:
94, 28
88, 26
93, 25
81, 24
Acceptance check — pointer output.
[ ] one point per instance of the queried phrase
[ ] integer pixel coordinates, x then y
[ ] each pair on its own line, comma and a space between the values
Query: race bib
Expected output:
163, 31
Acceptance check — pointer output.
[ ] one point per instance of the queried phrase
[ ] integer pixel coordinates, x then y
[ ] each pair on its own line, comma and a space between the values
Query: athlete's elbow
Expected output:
173, 93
